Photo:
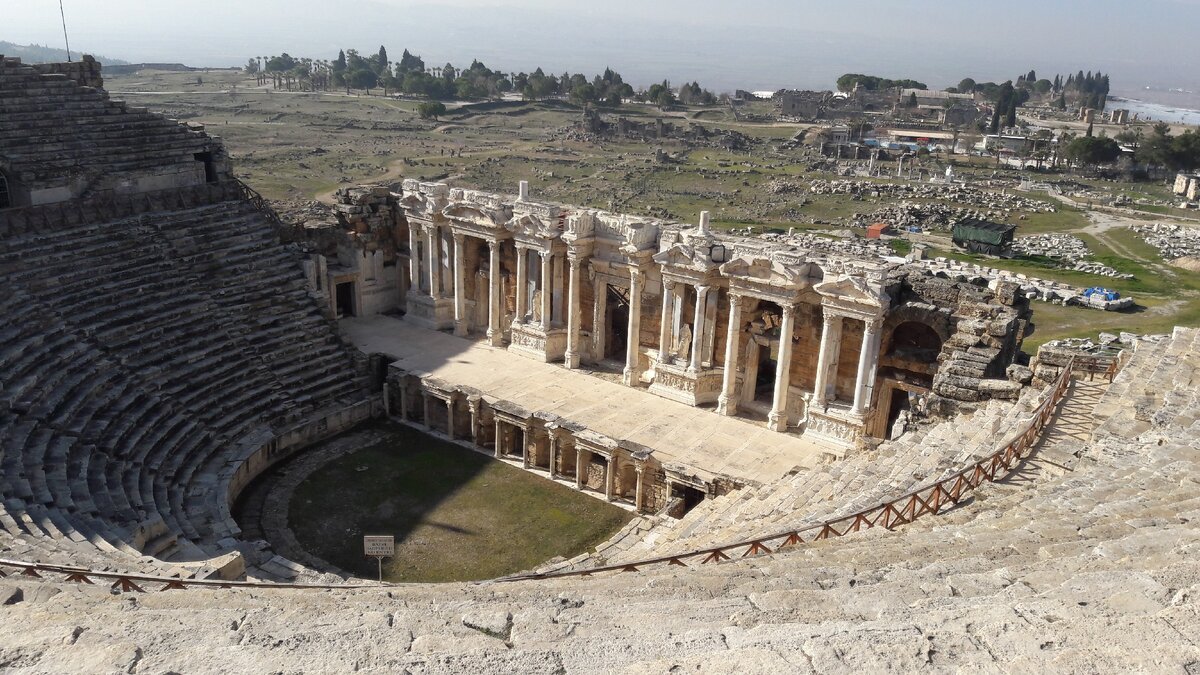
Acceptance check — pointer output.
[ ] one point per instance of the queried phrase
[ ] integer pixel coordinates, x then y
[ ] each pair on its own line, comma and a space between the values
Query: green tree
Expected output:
252, 67
431, 110
1092, 150
966, 85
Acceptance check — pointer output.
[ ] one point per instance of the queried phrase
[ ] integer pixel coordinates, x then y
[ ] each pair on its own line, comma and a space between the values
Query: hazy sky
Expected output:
751, 44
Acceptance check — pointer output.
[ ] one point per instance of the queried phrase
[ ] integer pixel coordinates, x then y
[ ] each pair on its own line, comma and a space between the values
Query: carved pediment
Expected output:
852, 289
687, 257
768, 272
534, 226
474, 215
417, 204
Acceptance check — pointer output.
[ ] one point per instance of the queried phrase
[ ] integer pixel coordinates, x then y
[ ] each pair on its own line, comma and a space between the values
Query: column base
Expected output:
435, 313
460, 328
571, 360
630, 377
777, 422
681, 383
727, 405
495, 338
836, 425
536, 343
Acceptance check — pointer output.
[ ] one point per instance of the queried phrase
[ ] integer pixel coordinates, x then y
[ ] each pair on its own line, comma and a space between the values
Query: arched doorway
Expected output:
616, 317
916, 342
907, 368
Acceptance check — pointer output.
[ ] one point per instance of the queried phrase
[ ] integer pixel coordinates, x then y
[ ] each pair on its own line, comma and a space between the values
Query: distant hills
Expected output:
40, 54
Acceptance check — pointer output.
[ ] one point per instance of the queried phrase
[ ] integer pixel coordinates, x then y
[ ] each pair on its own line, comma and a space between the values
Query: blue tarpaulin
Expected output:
1102, 292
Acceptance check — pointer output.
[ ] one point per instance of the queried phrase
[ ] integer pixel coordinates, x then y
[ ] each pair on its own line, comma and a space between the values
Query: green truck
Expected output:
983, 236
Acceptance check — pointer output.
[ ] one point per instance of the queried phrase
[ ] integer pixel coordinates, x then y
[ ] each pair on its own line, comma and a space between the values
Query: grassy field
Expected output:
294, 147
457, 515
1166, 296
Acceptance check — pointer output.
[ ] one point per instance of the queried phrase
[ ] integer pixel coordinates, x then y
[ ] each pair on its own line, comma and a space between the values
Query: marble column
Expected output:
450, 417
495, 334
433, 244
633, 371
403, 387
553, 443
777, 420
547, 285
527, 437
574, 313
610, 471
831, 341
641, 488
498, 446
698, 321
414, 259
522, 282
664, 326
473, 406
580, 468
599, 324
727, 403
460, 286
425, 410
868, 360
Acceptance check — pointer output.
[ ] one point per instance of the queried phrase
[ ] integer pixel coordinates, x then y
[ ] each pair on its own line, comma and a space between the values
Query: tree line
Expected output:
1089, 90
410, 75
1157, 150
847, 82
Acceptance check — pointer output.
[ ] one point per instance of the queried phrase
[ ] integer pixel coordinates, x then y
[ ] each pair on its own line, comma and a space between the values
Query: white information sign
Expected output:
379, 546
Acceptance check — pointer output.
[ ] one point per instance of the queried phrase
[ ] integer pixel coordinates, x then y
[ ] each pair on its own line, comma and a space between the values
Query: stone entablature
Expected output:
703, 317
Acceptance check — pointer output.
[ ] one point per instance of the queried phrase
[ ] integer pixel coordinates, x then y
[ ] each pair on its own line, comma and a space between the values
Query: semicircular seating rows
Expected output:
140, 360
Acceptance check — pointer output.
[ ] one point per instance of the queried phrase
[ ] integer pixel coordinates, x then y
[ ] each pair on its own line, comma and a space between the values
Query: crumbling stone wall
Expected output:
366, 236
980, 358
86, 71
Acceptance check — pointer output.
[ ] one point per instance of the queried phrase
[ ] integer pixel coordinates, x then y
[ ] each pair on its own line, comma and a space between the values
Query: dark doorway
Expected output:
764, 381
915, 341
210, 167
617, 320
345, 299
691, 496
6, 199
898, 404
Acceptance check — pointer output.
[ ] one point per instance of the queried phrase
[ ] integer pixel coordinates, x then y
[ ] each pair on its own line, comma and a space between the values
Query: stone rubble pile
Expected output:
856, 246
931, 216
951, 192
1031, 287
1069, 250
1172, 241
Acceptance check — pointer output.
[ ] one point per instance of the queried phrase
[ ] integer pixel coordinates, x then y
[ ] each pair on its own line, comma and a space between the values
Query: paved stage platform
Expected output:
697, 438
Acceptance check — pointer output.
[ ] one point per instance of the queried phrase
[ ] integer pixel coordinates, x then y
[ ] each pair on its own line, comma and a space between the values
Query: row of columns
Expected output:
501, 436
827, 362
672, 320
547, 285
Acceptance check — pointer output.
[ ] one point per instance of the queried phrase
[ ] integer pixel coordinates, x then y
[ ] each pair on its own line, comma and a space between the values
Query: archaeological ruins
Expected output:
835, 460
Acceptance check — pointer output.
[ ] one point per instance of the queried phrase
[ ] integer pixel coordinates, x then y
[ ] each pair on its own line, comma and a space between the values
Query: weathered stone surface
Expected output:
11, 595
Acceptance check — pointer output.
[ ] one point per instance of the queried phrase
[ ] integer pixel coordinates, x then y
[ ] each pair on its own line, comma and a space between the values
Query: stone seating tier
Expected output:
1089, 568
139, 355
52, 128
